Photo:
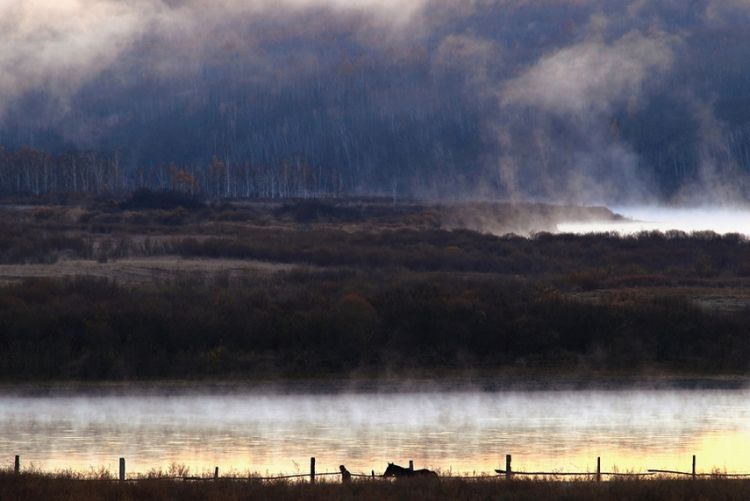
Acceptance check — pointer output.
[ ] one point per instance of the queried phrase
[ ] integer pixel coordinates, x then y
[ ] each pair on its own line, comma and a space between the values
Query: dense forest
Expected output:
559, 100
155, 286
308, 326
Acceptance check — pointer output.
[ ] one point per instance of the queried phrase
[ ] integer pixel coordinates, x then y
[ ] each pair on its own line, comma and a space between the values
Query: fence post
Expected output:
312, 470
693, 466
122, 469
17, 465
411, 465
598, 469
216, 473
508, 472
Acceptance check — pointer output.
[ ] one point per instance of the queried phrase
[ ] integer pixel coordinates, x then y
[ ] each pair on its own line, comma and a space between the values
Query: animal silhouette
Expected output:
397, 471
346, 476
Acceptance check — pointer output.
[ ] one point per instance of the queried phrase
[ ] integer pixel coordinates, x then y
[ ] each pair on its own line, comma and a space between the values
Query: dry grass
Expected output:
145, 270
61, 487
721, 299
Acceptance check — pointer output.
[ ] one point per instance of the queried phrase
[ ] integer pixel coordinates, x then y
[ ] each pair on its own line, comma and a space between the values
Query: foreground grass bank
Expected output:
40, 486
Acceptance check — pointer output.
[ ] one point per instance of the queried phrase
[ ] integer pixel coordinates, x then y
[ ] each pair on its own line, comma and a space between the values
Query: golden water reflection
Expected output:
457, 431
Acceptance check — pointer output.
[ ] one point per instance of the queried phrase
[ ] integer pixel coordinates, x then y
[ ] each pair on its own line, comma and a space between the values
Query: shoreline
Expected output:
40, 486
404, 383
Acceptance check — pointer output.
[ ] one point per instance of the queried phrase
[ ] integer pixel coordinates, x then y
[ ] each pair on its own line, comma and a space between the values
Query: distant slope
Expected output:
568, 101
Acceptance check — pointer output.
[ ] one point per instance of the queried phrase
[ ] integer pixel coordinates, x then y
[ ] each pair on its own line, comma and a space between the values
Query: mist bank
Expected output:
447, 431
690, 219
594, 102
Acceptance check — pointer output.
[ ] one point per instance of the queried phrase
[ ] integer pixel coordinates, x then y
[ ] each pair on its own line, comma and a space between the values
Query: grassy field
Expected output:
38, 486
147, 270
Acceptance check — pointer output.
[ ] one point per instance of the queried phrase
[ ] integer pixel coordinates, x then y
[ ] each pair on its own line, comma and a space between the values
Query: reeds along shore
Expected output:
68, 487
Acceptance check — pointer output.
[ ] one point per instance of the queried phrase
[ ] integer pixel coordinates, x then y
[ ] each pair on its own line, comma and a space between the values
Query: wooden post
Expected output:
411, 465
373, 473
693, 466
598, 469
312, 470
122, 469
508, 472
17, 465
216, 473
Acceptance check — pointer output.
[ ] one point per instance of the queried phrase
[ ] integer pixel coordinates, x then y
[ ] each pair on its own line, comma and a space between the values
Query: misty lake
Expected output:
720, 220
462, 431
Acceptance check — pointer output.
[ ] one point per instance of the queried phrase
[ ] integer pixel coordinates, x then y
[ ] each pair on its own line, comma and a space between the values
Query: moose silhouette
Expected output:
397, 471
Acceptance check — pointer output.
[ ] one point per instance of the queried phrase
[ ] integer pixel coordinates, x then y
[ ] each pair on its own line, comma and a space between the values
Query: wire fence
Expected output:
506, 474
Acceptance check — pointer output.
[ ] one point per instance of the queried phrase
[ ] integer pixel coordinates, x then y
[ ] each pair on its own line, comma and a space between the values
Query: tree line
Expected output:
27, 170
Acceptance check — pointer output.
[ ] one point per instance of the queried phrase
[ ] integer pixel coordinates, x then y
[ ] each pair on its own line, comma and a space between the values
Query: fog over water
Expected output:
458, 431
721, 220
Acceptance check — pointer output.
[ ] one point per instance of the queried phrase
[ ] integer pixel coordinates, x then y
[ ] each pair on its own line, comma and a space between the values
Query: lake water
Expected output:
463, 431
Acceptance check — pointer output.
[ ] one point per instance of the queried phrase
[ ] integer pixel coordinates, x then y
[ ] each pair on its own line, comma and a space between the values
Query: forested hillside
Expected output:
592, 101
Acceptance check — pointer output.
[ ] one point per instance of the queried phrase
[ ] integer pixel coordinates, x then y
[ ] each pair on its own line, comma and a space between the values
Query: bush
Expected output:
145, 199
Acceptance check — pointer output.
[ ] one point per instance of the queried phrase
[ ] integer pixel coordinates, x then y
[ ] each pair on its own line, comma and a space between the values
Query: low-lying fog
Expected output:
654, 218
460, 431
